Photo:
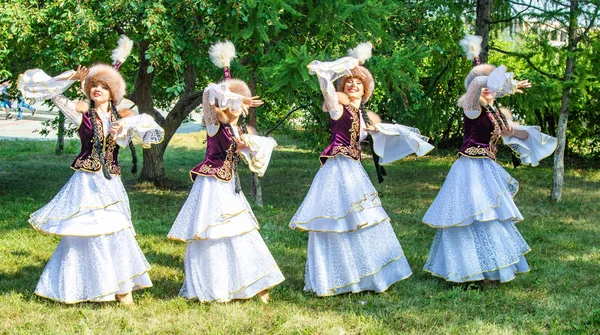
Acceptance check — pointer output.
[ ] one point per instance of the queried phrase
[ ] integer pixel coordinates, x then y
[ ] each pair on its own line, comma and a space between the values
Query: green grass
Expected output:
560, 295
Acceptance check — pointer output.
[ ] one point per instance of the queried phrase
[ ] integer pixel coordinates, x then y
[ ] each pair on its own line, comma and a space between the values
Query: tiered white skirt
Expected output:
225, 258
97, 256
352, 246
475, 215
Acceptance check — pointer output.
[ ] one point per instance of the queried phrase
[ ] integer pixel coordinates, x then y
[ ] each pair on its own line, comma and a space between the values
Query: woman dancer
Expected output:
225, 258
474, 211
352, 246
98, 258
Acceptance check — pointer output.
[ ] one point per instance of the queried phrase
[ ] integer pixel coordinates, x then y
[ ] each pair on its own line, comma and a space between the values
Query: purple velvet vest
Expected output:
480, 135
345, 135
88, 160
220, 156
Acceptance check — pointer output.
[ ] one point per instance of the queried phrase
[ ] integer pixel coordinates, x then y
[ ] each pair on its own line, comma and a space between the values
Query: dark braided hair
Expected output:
131, 145
378, 168
97, 143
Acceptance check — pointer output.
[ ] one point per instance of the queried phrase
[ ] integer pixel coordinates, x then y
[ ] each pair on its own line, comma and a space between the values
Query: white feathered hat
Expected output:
362, 52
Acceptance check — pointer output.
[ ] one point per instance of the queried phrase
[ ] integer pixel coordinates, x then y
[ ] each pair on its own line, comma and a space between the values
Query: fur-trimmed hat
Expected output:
237, 86
106, 74
362, 52
476, 71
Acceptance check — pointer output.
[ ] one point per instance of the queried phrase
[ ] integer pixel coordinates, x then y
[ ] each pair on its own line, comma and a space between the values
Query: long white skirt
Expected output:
97, 256
352, 246
225, 257
475, 215
94, 268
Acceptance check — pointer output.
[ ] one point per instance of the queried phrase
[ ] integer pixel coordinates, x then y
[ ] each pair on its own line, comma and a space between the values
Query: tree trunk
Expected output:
482, 26
256, 190
256, 187
561, 134
154, 168
60, 139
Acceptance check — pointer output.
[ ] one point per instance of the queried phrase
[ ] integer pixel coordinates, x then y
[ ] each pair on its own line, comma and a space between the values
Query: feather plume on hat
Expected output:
362, 52
122, 51
471, 45
221, 53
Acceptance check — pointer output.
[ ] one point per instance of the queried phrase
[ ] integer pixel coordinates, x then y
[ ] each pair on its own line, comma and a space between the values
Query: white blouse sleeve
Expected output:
258, 152
67, 107
328, 73
141, 128
532, 150
394, 141
471, 105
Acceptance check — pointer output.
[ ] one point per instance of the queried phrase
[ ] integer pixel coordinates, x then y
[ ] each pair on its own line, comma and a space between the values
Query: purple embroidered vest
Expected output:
345, 135
220, 156
88, 160
480, 135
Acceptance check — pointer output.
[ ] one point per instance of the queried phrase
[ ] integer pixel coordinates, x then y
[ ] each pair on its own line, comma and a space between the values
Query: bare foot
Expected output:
264, 296
125, 299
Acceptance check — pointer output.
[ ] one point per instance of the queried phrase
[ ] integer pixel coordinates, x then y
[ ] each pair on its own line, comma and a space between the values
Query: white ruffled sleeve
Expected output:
501, 83
329, 72
141, 128
37, 85
218, 96
536, 147
394, 141
258, 152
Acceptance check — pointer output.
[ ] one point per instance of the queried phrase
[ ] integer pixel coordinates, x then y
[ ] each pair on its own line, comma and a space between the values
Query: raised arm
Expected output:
36, 84
471, 105
328, 73
218, 96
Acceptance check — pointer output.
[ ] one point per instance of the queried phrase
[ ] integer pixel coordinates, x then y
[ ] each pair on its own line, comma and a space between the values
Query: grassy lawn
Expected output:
561, 294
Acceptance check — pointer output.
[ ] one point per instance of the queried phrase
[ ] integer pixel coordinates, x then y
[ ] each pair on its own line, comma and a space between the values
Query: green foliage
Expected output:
417, 64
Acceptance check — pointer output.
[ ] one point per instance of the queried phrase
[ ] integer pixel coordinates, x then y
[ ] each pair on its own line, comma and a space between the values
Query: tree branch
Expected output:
526, 58
589, 26
512, 18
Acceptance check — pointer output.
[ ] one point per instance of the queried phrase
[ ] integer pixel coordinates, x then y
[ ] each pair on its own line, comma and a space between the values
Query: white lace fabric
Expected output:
328, 73
258, 152
471, 105
536, 147
392, 142
37, 85
140, 128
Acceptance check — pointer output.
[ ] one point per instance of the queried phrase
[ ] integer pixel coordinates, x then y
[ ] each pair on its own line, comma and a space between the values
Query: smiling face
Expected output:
99, 92
353, 87
487, 95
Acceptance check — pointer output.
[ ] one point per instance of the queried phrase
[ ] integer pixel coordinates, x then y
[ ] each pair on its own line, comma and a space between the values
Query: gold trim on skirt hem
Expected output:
134, 288
498, 204
222, 300
359, 226
334, 289
105, 234
195, 238
35, 223
353, 208
435, 274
